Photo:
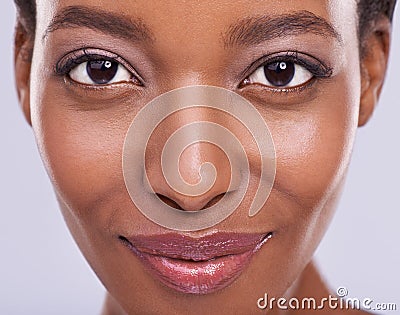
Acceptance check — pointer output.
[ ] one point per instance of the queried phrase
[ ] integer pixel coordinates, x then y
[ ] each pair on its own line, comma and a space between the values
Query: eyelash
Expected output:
317, 68
75, 58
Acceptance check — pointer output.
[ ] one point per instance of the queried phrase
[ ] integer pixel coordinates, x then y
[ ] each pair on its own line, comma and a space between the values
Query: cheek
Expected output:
82, 150
313, 146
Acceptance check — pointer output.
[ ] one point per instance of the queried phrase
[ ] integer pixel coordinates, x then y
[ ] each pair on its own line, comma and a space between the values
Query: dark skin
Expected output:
80, 130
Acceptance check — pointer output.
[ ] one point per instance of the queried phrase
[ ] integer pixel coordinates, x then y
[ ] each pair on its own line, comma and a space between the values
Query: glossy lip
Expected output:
196, 265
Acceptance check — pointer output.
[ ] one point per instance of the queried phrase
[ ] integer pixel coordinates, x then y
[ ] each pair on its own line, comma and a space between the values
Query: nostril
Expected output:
214, 200
175, 205
169, 201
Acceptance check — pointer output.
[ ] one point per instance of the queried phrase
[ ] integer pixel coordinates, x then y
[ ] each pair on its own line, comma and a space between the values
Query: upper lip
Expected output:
179, 246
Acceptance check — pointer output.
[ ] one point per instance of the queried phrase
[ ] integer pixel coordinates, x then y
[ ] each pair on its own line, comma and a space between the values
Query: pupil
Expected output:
101, 71
279, 73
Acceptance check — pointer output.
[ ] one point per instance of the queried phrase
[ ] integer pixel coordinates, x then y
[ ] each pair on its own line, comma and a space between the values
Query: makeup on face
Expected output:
99, 68
196, 265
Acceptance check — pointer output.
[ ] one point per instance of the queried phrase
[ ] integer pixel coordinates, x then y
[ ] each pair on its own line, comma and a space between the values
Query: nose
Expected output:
184, 169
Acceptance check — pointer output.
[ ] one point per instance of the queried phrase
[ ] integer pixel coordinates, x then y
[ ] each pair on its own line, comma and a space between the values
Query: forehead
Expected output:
193, 21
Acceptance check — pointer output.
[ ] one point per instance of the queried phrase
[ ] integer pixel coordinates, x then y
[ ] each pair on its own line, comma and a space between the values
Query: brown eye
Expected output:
100, 72
281, 74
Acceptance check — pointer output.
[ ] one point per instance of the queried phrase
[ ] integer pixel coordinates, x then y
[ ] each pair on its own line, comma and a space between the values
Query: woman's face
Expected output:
304, 79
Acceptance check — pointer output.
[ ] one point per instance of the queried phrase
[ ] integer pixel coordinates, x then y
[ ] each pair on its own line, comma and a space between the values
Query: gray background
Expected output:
43, 272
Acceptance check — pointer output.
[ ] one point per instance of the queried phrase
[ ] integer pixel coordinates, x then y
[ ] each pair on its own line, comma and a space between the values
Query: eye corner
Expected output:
243, 86
74, 67
102, 94
272, 71
131, 82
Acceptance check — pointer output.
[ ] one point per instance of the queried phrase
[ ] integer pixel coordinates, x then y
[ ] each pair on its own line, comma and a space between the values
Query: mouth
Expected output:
196, 265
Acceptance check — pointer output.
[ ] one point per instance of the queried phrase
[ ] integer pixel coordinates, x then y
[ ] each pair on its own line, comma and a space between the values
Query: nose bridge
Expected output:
195, 171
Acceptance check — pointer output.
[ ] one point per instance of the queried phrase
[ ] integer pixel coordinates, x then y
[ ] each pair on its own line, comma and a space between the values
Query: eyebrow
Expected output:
106, 22
255, 30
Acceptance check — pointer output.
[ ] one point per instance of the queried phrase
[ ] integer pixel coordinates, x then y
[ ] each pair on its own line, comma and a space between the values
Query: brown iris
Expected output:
101, 71
279, 73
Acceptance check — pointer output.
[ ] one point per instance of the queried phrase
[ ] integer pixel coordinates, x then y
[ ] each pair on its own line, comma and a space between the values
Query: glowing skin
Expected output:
80, 129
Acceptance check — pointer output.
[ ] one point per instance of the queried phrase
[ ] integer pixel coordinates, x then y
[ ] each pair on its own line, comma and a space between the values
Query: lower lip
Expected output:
197, 277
